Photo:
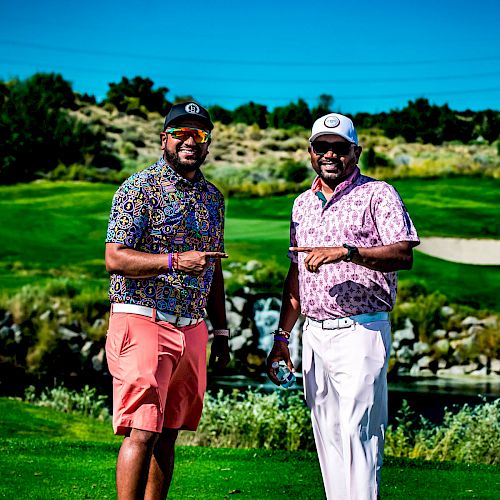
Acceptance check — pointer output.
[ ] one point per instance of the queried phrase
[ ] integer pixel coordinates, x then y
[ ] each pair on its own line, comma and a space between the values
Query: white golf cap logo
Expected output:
192, 108
332, 122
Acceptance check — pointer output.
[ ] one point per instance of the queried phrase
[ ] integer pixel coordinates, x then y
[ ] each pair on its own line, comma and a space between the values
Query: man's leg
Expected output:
161, 466
133, 463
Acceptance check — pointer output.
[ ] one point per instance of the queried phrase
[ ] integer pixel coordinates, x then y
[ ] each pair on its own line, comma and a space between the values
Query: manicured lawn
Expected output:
46, 454
59, 229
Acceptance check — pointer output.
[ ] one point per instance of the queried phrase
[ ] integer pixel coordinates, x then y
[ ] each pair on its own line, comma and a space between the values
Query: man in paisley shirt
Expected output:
163, 249
349, 235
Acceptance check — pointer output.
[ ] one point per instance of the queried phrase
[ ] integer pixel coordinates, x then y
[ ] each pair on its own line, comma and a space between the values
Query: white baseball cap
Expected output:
335, 124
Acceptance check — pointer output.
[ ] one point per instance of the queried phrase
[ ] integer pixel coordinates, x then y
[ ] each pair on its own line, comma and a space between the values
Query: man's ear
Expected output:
357, 152
163, 138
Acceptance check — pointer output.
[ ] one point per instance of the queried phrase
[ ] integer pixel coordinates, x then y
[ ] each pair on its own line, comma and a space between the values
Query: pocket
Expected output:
115, 339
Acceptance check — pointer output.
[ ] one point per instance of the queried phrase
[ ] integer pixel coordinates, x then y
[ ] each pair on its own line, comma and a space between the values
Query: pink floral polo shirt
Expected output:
362, 212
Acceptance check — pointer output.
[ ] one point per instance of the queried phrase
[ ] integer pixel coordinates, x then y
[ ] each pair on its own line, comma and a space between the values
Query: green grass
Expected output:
59, 229
46, 454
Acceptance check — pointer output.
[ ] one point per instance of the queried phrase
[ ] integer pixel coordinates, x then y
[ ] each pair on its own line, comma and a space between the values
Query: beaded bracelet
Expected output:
283, 333
221, 332
283, 339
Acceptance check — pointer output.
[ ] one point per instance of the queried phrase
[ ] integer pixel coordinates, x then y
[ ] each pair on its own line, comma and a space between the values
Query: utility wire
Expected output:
358, 63
326, 81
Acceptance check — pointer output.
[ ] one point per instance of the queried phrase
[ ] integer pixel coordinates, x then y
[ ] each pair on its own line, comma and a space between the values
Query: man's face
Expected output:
185, 156
333, 167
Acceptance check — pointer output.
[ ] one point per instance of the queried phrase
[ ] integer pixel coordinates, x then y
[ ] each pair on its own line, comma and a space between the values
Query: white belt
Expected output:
160, 316
336, 323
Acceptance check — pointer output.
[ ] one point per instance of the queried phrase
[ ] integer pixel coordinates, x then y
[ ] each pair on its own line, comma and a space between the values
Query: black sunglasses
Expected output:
338, 148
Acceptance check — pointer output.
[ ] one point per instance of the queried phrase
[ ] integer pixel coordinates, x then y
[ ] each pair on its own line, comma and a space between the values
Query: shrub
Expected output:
85, 402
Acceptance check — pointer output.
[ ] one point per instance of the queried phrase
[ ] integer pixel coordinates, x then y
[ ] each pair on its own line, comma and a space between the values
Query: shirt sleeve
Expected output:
392, 219
128, 218
293, 238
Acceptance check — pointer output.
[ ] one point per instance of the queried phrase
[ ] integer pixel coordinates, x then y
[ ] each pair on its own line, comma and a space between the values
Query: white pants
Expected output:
345, 386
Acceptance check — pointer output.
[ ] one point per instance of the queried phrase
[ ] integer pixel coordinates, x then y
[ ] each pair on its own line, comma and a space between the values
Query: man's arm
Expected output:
216, 310
290, 310
385, 258
120, 259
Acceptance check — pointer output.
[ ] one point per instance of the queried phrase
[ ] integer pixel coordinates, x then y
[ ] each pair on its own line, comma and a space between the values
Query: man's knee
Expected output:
169, 436
140, 436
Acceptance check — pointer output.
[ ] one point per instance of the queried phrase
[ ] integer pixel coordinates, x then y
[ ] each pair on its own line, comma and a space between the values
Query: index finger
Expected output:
300, 249
220, 255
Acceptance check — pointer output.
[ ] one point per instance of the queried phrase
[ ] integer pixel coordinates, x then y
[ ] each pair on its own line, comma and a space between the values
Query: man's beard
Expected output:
181, 165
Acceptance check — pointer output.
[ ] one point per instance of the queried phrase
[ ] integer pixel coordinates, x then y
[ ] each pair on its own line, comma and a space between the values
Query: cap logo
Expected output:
192, 108
332, 122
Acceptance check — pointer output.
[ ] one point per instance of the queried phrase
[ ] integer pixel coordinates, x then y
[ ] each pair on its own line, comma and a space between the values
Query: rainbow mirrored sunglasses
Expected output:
199, 135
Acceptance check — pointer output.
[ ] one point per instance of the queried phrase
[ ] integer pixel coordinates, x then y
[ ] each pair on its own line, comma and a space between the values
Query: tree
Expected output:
220, 114
251, 113
291, 115
37, 132
325, 106
137, 95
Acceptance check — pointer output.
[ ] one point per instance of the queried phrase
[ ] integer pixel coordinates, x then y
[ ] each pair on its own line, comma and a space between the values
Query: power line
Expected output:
328, 81
241, 62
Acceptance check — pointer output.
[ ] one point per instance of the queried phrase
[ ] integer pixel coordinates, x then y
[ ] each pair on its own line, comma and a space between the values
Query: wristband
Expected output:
169, 261
282, 333
221, 333
283, 339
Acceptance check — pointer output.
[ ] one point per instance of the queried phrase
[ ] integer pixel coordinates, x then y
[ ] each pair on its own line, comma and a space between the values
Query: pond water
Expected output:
427, 397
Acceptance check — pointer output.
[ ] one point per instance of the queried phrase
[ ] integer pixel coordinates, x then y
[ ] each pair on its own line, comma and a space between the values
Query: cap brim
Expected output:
323, 132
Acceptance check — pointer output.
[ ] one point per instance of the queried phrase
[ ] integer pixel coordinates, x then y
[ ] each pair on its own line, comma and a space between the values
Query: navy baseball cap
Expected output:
188, 110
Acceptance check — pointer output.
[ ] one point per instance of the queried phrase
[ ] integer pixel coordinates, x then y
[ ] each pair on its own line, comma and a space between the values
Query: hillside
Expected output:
136, 140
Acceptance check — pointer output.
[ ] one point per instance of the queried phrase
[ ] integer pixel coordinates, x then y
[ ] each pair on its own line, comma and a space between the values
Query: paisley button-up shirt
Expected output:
158, 211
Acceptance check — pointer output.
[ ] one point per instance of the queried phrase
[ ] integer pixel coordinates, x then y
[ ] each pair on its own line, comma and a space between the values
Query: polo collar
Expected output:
316, 185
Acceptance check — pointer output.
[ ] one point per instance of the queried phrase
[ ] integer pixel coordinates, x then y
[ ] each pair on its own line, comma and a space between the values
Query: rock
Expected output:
470, 367
483, 359
441, 346
453, 335
239, 303
414, 371
471, 320
490, 321
246, 333
5, 332
18, 334
442, 363
439, 334
425, 372
495, 365
421, 348
6, 320
99, 323
474, 329
86, 349
479, 373
453, 370
447, 311
45, 316
236, 343
252, 265
424, 362
404, 355
406, 333
233, 320
98, 361
227, 274
67, 334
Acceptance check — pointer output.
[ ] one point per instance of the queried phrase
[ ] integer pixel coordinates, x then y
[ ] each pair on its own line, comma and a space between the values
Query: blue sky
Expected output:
371, 56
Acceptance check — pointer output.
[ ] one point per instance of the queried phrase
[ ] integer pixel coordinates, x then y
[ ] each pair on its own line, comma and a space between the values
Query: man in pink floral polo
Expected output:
349, 235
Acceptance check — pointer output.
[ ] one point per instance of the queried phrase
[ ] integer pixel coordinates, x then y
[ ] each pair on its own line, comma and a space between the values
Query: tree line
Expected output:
38, 131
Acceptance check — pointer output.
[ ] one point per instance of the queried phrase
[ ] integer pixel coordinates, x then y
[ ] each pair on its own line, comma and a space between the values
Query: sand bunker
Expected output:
463, 251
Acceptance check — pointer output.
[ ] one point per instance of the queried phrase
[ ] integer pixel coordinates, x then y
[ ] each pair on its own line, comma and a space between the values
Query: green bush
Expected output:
85, 402
472, 435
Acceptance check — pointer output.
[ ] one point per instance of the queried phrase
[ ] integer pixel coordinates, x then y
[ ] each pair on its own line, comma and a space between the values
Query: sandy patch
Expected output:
463, 251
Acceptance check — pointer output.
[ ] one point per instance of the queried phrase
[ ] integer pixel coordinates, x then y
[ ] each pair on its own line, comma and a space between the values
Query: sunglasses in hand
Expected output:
338, 148
199, 135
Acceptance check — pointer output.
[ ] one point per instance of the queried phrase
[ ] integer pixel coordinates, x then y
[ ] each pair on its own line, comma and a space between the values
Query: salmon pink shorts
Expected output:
159, 373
